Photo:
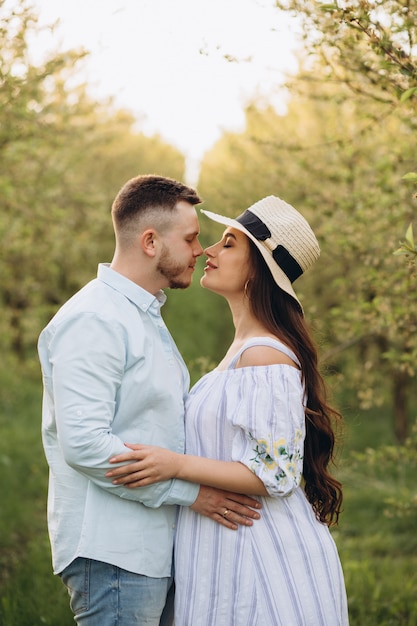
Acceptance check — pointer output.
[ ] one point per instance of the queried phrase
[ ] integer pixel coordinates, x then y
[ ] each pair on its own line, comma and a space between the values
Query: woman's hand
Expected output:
144, 465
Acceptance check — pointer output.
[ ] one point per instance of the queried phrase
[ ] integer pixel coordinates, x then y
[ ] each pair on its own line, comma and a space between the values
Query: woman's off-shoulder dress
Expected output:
284, 570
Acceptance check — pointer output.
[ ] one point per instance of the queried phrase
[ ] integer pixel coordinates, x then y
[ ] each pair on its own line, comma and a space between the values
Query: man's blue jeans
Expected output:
106, 595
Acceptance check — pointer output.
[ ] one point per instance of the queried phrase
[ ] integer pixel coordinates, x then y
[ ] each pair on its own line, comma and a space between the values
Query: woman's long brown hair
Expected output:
283, 317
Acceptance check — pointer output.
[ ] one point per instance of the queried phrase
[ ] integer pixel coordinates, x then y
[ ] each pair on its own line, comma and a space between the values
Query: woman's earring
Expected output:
245, 289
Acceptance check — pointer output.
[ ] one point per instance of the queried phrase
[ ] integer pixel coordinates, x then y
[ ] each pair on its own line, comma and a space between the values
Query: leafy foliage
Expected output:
408, 247
340, 154
346, 183
64, 157
368, 46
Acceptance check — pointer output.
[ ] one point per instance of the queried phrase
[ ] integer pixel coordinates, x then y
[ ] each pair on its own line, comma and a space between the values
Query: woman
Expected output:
258, 424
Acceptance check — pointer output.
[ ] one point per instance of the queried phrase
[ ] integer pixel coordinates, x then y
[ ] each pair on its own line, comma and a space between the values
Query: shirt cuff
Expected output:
182, 493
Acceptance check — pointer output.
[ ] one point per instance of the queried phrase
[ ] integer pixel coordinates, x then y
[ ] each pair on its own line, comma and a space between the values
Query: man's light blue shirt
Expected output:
112, 375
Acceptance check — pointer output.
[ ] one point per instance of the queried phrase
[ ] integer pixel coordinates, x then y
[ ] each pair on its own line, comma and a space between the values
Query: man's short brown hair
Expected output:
149, 193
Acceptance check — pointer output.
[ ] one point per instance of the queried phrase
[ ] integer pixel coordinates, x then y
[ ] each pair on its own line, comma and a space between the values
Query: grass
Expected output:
378, 547
29, 594
377, 538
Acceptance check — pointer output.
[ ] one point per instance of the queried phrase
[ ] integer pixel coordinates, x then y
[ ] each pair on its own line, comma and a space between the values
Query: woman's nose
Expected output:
209, 251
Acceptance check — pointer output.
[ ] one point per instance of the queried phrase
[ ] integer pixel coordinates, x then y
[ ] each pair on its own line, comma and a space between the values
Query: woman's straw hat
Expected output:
281, 234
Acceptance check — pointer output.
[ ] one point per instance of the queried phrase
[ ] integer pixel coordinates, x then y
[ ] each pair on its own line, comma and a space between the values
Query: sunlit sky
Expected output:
164, 60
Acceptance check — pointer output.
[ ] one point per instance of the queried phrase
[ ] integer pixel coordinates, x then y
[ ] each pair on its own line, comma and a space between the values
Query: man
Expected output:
112, 374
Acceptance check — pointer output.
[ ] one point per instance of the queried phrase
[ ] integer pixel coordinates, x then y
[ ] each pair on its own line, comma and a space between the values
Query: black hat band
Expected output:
282, 257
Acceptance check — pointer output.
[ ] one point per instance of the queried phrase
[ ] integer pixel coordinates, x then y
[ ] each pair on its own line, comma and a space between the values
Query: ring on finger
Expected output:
226, 512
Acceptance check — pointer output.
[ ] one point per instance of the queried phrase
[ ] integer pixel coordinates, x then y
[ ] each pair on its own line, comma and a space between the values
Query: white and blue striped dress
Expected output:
285, 569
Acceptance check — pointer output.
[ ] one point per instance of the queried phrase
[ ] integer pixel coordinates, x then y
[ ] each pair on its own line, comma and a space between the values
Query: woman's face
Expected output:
227, 267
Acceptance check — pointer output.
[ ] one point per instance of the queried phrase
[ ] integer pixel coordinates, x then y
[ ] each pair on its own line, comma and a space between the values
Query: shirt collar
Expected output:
139, 296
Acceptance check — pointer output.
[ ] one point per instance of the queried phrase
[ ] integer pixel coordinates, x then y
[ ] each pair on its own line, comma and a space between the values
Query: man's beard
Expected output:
172, 270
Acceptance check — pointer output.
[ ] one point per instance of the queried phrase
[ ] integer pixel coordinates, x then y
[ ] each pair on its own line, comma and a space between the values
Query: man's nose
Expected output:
198, 250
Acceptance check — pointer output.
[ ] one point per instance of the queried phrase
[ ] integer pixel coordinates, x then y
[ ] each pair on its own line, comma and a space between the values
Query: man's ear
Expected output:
148, 242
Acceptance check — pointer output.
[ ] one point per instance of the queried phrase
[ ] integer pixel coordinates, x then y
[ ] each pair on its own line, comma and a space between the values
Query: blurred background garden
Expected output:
343, 151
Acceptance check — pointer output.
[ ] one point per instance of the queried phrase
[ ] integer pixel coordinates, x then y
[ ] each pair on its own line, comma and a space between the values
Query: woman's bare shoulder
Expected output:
264, 355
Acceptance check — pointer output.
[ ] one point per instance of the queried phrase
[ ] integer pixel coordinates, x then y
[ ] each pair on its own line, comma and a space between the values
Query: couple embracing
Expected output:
231, 478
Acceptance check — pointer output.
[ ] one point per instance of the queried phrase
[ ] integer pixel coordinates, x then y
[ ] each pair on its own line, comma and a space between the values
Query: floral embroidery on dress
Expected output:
275, 456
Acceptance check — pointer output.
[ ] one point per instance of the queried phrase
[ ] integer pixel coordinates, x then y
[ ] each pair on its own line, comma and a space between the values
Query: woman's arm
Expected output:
150, 464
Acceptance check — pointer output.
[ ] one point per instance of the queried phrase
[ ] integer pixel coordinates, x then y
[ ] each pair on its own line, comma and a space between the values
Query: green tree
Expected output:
340, 154
367, 45
321, 157
64, 157
367, 49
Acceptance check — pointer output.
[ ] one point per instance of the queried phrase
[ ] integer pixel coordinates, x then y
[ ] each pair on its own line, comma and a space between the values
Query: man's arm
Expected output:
87, 359
84, 395
218, 500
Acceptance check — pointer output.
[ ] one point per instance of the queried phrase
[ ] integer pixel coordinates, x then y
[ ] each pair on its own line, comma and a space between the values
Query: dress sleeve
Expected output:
268, 417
